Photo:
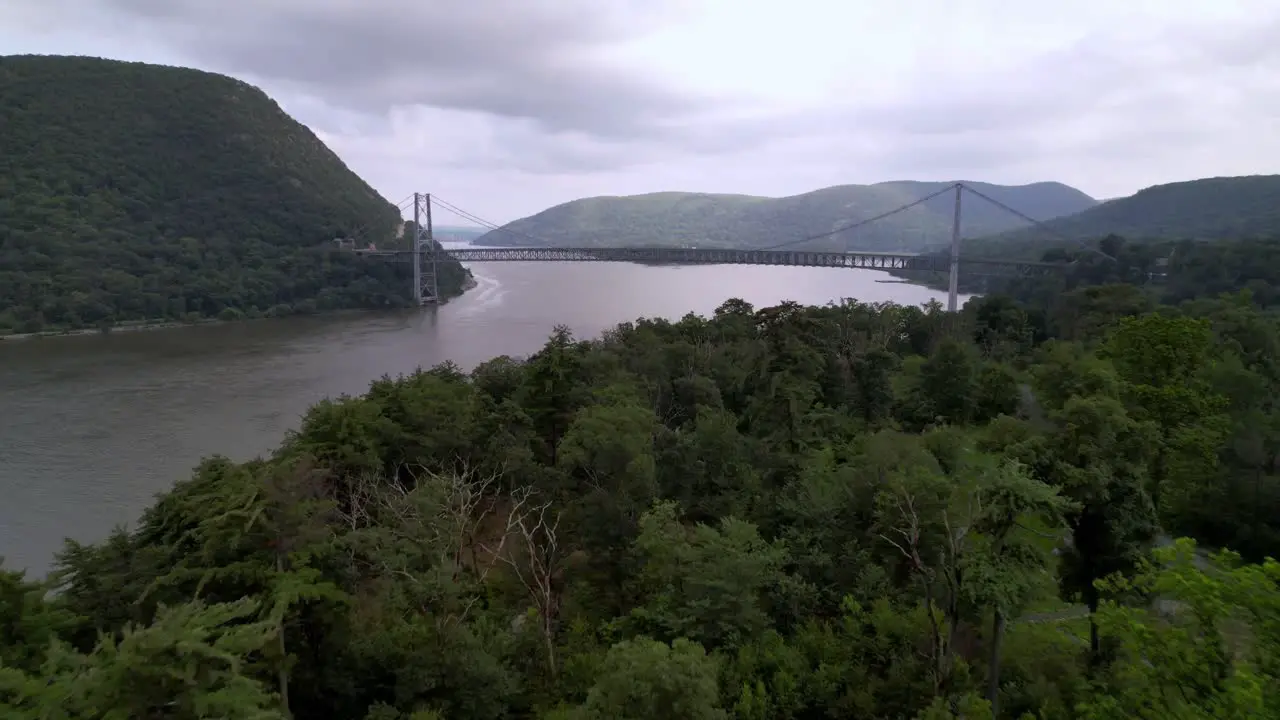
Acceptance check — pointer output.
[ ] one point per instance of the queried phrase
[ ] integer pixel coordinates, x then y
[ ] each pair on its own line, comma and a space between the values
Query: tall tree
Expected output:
1163, 360
1097, 456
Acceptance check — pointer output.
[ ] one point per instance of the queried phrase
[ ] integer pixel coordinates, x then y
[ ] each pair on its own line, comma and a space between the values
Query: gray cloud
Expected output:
516, 59
526, 87
1103, 96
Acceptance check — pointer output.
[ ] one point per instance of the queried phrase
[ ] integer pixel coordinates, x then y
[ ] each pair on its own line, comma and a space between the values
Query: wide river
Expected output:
92, 427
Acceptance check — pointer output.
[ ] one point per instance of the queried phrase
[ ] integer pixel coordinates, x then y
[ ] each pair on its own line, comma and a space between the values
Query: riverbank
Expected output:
121, 328
143, 325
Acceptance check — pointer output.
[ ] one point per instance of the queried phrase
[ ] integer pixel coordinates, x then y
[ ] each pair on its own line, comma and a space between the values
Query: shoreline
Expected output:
138, 327
145, 326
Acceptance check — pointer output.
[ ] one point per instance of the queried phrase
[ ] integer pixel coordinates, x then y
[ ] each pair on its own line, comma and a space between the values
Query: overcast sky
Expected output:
506, 107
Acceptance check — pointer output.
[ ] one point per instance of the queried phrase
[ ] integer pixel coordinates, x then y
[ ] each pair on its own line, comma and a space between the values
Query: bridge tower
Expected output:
953, 282
426, 286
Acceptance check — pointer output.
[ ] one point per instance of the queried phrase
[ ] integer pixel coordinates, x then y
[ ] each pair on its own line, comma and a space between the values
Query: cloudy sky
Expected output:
506, 107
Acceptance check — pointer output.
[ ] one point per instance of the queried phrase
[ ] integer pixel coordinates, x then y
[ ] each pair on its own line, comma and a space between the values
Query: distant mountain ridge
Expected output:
678, 219
457, 233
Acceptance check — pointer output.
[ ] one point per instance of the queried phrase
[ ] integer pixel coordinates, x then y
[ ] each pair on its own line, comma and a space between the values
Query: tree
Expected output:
911, 499
702, 583
948, 379
1012, 510
1208, 650
194, 661
549, 392
1097, 458
642, 679
1162, 361
535, 559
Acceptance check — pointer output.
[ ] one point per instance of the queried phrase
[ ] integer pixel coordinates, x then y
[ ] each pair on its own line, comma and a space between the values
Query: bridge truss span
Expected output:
715, 256
425, 254
691, 256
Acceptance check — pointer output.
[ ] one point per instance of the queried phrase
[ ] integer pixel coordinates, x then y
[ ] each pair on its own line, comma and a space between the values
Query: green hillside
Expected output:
140, 192
1220, 208
705, 220
1242, 210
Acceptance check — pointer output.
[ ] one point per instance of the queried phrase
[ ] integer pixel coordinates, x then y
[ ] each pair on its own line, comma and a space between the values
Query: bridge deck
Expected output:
709, 256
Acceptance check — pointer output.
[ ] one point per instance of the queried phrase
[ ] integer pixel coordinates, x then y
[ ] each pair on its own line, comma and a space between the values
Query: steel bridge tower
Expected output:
953, 279
426, 283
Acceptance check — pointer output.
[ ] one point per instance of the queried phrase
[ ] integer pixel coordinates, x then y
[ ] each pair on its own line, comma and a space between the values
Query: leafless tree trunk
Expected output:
953, 563
440, 519
537, 567
907, 541
993, 661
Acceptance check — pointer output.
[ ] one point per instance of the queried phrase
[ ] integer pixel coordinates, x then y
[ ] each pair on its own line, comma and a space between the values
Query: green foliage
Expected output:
642, 678
1211, 653
702, 583
133, 192
28, 624
793, 512
191, 662
1162, 362
742, 221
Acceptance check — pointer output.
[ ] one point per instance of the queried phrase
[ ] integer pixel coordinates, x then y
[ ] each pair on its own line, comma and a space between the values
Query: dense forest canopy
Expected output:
132, 192
851, 511
745, 221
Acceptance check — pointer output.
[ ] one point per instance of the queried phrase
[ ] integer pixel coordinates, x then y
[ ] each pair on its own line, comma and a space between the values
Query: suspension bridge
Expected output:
425, 254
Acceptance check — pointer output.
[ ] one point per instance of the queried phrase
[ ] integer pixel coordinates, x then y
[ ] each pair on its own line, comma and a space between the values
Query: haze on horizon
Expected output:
507, 107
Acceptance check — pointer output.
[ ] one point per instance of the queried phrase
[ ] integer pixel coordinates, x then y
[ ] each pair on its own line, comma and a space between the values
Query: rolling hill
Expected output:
1198, 215
1219, 208
708, 220
135, 192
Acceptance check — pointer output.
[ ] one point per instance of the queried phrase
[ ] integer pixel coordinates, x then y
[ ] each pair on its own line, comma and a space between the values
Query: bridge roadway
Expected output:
713, 256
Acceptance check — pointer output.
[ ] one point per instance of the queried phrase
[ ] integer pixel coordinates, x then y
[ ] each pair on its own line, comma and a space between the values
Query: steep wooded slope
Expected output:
131, 191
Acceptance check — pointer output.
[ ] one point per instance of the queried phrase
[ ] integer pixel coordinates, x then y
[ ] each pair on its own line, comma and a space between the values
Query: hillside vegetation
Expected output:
1216, 232
139, 192
1222, 208
743, 221
852, 511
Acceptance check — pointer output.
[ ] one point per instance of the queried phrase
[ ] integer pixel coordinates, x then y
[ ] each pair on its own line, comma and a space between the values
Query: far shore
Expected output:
133, 327
143, 325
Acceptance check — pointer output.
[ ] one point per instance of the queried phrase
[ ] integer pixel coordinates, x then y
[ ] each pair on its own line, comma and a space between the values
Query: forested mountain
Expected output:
852, 511
682, 219
1221, 208
1220, 233
139, 192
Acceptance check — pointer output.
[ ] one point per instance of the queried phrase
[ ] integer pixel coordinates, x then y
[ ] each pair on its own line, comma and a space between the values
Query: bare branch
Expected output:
537, 568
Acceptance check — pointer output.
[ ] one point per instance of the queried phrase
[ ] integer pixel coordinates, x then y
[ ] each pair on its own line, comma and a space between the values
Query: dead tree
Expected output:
429, 531
907, 534
537, 565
